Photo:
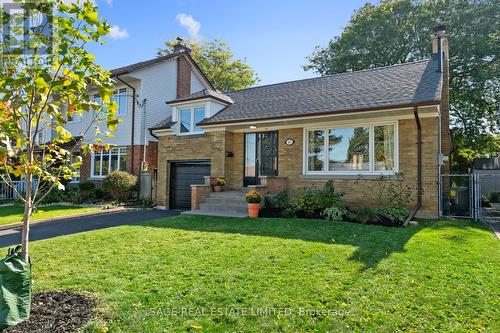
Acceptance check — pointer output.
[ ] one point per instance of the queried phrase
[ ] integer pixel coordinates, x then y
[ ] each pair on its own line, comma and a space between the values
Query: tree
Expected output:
217, 62
42, 83
400, 31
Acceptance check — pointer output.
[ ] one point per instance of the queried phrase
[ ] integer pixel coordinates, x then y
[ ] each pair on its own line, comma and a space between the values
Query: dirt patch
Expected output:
56, 312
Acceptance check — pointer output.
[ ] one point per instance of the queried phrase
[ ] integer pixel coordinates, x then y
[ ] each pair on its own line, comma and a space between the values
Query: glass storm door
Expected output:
261, 156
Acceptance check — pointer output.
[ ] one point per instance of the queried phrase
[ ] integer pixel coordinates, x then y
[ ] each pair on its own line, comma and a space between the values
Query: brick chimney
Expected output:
440, 50
183, 68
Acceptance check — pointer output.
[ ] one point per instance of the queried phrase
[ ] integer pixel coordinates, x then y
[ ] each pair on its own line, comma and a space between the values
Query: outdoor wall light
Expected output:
253, 126
229, 154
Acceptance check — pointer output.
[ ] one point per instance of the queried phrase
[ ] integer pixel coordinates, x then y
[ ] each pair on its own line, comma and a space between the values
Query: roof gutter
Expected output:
151, 130
418, 204
133, 121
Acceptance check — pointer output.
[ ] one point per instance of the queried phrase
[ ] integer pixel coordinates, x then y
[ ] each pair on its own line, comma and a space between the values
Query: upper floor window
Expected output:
356, 150
119, 97
189, 117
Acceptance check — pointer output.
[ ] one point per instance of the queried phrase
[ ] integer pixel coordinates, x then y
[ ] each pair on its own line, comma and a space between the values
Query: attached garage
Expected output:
183, 174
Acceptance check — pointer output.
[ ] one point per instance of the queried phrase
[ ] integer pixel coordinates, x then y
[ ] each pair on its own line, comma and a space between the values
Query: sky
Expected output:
274, 36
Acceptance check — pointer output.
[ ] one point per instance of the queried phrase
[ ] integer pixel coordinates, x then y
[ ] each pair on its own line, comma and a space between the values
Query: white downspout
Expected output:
145, 134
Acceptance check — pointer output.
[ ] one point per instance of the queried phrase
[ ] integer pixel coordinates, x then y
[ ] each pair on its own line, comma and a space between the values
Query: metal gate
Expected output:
474, 195
486, 195
456, 199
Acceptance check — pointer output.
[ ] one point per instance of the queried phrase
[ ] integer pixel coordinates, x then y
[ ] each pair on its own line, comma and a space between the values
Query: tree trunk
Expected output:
28, 208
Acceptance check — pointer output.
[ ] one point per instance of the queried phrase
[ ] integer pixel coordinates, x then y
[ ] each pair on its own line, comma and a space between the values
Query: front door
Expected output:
261, 156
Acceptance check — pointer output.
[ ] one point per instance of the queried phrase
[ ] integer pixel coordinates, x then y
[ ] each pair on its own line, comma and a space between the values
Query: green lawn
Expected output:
276, 275
14, 214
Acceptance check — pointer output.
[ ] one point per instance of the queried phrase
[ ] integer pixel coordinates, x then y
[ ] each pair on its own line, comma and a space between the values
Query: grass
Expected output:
14, 213
275, 275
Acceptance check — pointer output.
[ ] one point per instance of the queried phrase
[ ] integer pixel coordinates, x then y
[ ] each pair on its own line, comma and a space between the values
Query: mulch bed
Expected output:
56, 312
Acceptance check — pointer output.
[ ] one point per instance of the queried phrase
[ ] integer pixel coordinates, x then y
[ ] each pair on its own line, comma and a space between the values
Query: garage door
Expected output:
183, 175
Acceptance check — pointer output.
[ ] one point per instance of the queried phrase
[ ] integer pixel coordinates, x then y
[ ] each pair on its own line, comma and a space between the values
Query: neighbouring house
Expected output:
351, 127
141, 92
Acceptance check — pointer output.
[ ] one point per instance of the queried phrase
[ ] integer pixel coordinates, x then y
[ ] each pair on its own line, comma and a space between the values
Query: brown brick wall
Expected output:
357, 192
85, 168
183, 77
152, 155
212, 146
209, 146
151, 158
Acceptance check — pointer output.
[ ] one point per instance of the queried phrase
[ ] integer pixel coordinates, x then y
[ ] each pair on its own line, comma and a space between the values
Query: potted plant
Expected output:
219, 184
254, 199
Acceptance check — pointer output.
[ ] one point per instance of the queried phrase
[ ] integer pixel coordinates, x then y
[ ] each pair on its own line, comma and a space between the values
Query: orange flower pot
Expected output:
218, 188
253, 210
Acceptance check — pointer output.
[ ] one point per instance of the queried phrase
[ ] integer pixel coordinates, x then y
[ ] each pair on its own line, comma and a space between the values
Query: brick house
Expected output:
141, 92
350, 127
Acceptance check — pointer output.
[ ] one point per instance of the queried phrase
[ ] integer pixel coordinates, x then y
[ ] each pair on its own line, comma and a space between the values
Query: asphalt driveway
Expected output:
74, 225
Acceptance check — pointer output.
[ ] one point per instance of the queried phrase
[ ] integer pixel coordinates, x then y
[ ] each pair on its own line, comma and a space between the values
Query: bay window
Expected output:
351, 150
189, 117
107, 161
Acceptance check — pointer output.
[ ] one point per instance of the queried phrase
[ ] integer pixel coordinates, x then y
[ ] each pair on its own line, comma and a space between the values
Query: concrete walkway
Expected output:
9, 237
491, 216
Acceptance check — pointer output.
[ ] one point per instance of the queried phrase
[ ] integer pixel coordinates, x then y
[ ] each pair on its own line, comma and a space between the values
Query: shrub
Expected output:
396, 214
494, 197
279, 200
147, 203
485, 201
364, 215
312, 200
335, 213
385, 192
86, 186
253, 197
100, 194
55, 195
220, 182
119, 184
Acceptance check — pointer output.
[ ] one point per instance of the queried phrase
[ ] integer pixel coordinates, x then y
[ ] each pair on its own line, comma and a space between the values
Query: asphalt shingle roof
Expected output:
138, 65
411, 83
203, 94
165, 123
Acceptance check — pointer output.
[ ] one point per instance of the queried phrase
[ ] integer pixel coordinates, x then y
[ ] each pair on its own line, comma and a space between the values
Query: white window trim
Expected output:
92, 162
73, 179
372, 171
116, 93
179, 119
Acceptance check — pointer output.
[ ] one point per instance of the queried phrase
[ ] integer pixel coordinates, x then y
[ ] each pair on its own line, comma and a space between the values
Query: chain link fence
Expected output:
474, 195
456, 195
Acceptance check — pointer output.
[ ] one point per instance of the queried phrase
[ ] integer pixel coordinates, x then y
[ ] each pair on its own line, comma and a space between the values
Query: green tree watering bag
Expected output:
15, 289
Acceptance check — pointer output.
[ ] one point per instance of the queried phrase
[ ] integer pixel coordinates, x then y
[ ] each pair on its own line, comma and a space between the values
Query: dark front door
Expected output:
182, 176
261, 156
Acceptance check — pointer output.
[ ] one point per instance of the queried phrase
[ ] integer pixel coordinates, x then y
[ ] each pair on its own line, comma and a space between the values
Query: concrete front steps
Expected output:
224, 204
